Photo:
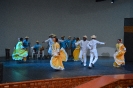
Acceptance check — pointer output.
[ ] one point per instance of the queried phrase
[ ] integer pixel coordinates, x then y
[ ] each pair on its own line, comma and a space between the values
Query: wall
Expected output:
38, 18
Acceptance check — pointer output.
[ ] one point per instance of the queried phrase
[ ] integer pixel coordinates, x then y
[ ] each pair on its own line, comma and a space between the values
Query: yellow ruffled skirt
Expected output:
119, 59
76, 54
56, 62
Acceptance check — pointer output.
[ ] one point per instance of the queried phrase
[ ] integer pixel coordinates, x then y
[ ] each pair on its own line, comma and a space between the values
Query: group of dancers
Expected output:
59, 49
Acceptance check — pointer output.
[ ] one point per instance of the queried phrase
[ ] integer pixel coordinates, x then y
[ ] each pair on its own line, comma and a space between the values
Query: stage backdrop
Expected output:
38, 18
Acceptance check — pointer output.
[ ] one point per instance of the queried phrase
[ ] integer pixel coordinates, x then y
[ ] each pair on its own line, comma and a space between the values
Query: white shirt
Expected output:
93, 44
83, 45
50, 41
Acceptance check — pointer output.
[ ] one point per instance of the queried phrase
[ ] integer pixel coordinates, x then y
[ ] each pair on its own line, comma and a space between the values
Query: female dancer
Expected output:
58, 56
19, 52
76, 51
119, 54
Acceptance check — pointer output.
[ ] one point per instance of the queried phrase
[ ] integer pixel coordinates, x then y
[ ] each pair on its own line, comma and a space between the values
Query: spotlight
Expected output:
112, 1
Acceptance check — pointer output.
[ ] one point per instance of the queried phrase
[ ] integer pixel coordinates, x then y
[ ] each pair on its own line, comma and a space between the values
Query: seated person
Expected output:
37, 47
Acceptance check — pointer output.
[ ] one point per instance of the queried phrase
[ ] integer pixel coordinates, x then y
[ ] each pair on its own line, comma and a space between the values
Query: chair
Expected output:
37, 54
41, 51
33, 52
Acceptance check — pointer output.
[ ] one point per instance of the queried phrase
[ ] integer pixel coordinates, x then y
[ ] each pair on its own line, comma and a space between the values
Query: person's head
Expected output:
77, 39
50, 36
119, 40
69, 37
53, 36
37, 42
85, 38
21, 39
26, 38
74, 38
55, 39
63, 37
93, 37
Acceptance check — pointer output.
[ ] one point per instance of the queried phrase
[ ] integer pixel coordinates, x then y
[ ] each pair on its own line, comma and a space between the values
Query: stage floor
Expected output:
40, 69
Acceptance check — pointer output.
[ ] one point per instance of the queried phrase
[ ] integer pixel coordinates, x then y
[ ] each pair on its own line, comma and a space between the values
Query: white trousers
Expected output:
50, 50
82, 56
92, 55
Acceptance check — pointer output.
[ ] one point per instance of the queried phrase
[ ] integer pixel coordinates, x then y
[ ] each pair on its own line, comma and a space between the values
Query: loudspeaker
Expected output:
128, 41
128, 22
1, 72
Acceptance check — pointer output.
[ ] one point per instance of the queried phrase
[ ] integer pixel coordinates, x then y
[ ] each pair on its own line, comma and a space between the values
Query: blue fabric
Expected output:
68, 42
37, 47
63, 44
73, 44
25, 44
50, 50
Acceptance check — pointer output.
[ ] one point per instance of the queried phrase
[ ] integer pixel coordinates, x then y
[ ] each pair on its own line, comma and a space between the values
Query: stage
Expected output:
35, 69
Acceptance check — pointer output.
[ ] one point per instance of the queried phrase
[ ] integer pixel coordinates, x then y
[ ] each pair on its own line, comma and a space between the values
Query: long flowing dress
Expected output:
119, 55
19, 53
58, 56
76, 53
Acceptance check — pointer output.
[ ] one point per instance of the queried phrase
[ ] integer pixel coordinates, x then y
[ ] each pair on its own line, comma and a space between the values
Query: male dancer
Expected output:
83, 49
93, 50
73, 45
68, 44
26, 45
26, 42
50, 43
63, 42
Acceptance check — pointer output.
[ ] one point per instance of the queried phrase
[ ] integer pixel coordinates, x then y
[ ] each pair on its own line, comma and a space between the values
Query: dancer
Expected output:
20, 53
63, 43
76, 51
26, 43
58, 56
119, 54
50, 43
73, 46
68, 46
93, 50
54, 36
83, 49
